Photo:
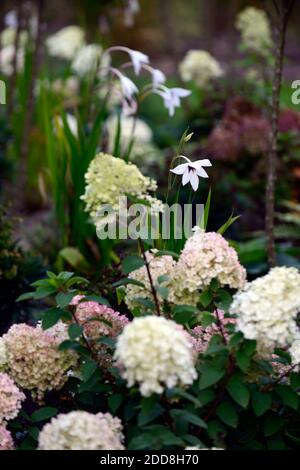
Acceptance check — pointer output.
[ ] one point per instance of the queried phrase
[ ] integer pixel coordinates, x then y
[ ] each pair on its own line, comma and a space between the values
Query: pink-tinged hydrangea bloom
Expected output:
289, 121
6, 440
79, 430
206, 256
34, 360
10, 398
159, 266
97, 321
202, 335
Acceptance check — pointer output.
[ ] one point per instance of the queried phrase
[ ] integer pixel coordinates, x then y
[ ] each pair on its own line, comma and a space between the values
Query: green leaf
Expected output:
295, 380
209, 376
114, 402
75, 259
64, 299
206, 298
162, 278
235, 339
107, 341
225, 300
207, 318
145, 418
215, 429
87, 370
127, 280
261, 402
183, 313
227, 414
242, 360
239, 392
272, 424
162, 291
121, 294
131, 263
227, 224
188, 417
288, 396
42, 292
51, 317
43, 414
74, 331
26, 296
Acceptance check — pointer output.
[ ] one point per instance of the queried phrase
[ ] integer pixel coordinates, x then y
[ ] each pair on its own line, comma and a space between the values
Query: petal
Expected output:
200, 163
186, 177
201, 172
180, 169
194, 180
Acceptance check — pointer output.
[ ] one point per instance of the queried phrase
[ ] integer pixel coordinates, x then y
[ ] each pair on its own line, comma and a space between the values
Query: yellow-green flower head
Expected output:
255, 30
108, 178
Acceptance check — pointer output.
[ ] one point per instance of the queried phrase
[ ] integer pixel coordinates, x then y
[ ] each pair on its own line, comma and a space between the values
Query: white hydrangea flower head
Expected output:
89, 59
200, 66
108, 179
255, 29
155, 353
80, 430
159, 266
131, 128
267, 309
3, 355
294, 351
66, 42
205, 256
7, 57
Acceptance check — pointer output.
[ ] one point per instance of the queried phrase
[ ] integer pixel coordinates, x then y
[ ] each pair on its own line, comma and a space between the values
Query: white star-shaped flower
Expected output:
138, 59
191, 171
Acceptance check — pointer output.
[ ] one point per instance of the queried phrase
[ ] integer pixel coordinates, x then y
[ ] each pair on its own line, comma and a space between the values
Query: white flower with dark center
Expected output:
191, 171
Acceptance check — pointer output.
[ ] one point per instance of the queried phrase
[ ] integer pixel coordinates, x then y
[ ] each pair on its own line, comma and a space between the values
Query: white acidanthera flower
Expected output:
191, 171
156, 353
171, 97
80, 430
138, 59
267, 309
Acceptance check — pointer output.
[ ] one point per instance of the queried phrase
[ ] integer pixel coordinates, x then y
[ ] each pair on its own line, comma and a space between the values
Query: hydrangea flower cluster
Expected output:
159, 266
34, 360
201, 67
66, 42
3, 355
10, 398
99, 320
89, 59
202, 335
205, 256
6, 440
154, 353
254, 27
108, 179
267, 308
80, 430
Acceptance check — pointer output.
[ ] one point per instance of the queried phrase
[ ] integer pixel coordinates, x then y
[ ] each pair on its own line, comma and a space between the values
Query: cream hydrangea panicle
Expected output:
267, 309
205, 256
34, 360
201, 67
294, 351
3, 355
11, 398
255, 30
159, 266
66, 42
6, 440
108, 179
155, 353
90, 60
80, 430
